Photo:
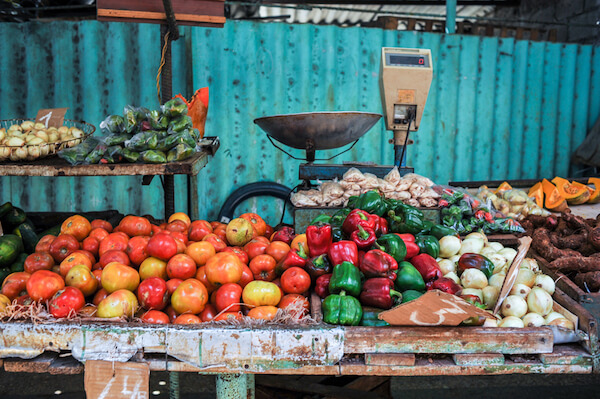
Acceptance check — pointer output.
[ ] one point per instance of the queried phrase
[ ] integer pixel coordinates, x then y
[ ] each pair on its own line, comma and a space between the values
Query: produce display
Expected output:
412, 189
557, 194
140, 135
512, 203
26, 140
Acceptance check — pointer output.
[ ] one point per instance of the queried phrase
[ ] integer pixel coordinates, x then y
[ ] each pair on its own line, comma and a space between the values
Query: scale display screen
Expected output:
410, 60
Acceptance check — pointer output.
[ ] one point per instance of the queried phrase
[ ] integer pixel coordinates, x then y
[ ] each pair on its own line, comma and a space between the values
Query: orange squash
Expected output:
537, 192
503, 187
574, 194
554, 201
595, 196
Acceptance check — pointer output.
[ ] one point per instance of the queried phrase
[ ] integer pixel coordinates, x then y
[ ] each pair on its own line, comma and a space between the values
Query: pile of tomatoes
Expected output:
181, 272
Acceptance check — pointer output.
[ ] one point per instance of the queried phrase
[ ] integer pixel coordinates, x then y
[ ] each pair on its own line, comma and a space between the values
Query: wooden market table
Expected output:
55, 166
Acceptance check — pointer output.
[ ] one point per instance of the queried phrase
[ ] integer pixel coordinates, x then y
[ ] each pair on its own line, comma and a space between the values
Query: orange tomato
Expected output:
155, 317
189, 297
263, 312
117, 276
43, 284
300, 238
295, 280
79, 276
76, 258
221, 232
201, 276
214, 225
180, 216
135, 226
14, 284
223, 268
200, 251
291, 299
76, 225
187, 319
259, 225
263, 267
278, 250
172, 285
114, 241
229, 316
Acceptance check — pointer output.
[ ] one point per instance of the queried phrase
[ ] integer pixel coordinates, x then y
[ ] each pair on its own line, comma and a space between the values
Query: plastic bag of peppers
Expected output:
372, 255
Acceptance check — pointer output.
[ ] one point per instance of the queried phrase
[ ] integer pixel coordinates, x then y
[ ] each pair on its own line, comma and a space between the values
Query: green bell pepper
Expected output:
407, 223
427, 225
439, 231
345, 277
338, 218
336, 233
370, 319
371, 202
410, 295
322, 218
408, 278
401, 208
342, 309
428, 245
393, 245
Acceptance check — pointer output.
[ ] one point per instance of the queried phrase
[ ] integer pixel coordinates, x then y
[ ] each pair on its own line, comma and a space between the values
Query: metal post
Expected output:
450, 16
166, 92
173, 385
235, 386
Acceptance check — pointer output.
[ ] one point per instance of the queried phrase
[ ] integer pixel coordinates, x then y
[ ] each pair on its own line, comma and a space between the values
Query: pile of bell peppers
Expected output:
376, 253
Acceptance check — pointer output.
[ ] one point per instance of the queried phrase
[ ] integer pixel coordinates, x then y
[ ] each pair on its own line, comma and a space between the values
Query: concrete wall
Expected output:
576, 20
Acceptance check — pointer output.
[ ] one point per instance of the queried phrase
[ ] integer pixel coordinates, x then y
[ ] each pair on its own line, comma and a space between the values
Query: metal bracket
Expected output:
171, 21
147, 179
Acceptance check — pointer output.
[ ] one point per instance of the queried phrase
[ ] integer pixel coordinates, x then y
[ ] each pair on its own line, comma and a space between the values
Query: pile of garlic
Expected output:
412, 189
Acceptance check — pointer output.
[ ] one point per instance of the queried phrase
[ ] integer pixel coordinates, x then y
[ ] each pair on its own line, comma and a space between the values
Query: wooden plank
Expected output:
65, 365
367, 383
448, 340
319, 389
205, 7
39, 364
159, 16
566, 355
315, 307
478, 359
390, 359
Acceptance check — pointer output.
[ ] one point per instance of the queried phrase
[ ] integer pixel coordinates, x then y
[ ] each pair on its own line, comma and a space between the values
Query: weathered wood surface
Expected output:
448, 340
40, 364
478, 359
390, 359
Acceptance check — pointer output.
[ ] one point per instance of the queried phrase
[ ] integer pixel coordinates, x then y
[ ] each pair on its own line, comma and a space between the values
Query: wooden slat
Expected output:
566, 355
65, 366
390, 359
39, 364
159, 16
478, 359
315, 307
203, 7
448, 340
366, 383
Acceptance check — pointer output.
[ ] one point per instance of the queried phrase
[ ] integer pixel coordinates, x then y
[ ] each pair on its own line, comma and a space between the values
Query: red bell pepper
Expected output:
377, 263
322, 285
412, 249
379, 292
285, 234
318, 238
383, 226
444, 284
343, 251
427, 266
295, 257
363, 237
356, 217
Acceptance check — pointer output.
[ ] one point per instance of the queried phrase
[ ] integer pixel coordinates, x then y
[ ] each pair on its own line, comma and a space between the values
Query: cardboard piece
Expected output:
116, 380
52, 117
513, 270
434, 308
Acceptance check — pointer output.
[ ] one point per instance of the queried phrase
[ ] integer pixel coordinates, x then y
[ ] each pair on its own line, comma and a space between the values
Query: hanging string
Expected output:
160, 67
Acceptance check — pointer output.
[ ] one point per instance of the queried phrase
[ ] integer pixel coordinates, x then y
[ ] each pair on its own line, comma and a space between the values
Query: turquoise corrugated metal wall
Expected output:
498, 108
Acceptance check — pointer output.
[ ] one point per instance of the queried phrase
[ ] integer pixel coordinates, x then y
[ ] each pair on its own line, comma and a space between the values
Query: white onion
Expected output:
477, 235
487, 252
521, 290
564, 322
453, 277
545, 282
471, 246
447, 266
533, 320
552, 316
473, 278
508, 253
473, 291
514, 305
449, 246
496, 245
497, 280
511, 321
499, 262
490, 322
490, 296
525, 276
531, 264
454, 258
539, 301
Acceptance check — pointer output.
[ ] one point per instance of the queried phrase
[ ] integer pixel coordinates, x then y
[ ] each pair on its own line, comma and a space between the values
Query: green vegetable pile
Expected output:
140, 135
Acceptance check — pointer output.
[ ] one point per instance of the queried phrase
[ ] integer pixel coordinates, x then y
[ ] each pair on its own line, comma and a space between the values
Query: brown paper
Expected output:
52, 117
116, 380
434, 308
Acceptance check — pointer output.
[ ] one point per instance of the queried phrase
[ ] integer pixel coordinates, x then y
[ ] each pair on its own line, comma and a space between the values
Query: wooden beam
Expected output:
39, 364
161, 16
390, 359
478, 359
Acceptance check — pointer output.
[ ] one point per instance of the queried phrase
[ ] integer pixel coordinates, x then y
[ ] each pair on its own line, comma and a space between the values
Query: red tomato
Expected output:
263, 267
135, 226
291, 300
177, 225
239, 251
189, 297
181, 266
38, 261
278, 250
228, 298
91, 245
201, 276
98, 274
295, 280
66, 302
15, 284
100, 295
216, 242
114, 241
113, 256
208, 313
200, 252
162, 246
255, 247
221, 232
62, 246
77, 226
247, 276
215, 224
180, 237
153, 293
199, 229
74, 259
263, 312
187, 319
172, 285
153, 267
259, 225
155, 229
89, 255
136, 249
155, 317
102, 224
43, 244
99, 234
43, 284
223, 268
229, 316
269, 231
117, 276
82, 278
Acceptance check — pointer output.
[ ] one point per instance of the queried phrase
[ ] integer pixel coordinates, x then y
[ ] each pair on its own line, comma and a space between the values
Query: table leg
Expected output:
193, 206
169, 188
173, 385
235, 386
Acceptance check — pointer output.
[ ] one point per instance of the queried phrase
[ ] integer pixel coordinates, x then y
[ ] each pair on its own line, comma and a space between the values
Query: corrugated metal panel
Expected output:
498, 108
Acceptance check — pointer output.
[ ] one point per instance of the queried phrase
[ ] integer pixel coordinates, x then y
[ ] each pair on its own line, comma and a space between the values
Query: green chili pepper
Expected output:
180, 152
130, 156
152, 156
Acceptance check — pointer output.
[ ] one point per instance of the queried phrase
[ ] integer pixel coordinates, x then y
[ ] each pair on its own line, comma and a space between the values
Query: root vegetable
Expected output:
594, 238
576, 264
590, 280
573, 241
543, 245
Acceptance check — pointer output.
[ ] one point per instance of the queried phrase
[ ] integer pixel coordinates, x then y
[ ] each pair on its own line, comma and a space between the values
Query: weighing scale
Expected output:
405, 78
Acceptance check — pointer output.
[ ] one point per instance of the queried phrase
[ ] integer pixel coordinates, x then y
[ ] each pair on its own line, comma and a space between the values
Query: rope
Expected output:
162, 64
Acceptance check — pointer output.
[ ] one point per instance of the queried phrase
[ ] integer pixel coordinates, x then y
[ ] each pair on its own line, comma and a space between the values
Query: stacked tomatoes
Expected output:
182, 271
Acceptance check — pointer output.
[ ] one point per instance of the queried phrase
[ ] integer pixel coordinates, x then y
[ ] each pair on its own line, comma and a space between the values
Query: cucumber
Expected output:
19, 264
10, 247
55, 231
5, 208
13, 218
27, 234
3, 274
